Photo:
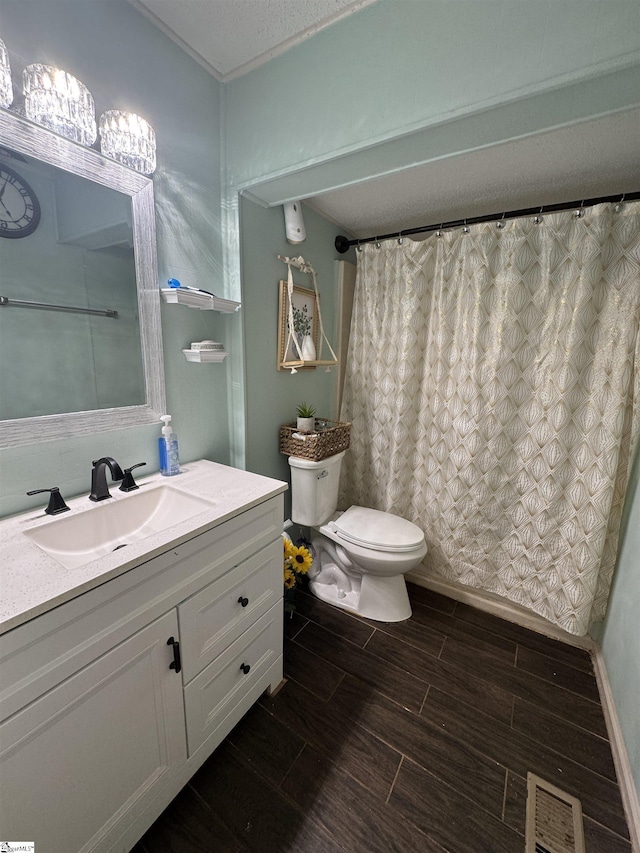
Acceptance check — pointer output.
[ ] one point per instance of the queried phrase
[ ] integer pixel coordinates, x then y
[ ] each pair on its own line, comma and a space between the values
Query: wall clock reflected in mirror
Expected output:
19, 205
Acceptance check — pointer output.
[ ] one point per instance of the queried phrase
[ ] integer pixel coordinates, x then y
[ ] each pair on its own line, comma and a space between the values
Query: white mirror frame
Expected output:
30, 139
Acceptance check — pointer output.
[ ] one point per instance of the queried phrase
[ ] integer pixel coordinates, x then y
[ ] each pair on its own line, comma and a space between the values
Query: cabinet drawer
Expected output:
214, 694
215, 617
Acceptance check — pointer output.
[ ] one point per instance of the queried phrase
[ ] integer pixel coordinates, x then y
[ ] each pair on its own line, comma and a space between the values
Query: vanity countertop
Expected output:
32, 582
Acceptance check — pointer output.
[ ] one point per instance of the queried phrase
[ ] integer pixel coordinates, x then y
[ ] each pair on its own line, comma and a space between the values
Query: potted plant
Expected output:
306, 418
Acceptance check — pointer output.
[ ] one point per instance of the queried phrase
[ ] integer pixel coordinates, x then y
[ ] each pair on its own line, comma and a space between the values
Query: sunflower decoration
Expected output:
297, 562
288, 549
301, 559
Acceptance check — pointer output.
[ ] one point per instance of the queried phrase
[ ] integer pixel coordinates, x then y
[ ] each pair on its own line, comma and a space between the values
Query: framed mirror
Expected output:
80, 333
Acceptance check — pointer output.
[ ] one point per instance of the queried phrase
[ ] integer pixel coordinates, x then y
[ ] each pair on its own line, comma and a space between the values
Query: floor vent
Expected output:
554, 819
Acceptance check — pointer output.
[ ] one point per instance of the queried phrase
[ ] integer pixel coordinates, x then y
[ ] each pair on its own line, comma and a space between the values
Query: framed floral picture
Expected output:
305, 324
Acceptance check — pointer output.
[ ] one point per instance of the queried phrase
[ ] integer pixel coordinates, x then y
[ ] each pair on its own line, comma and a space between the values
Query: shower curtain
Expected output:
493, 386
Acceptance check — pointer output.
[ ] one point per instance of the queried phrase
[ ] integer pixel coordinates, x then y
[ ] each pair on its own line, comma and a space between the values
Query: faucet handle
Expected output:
56, 501
128, 483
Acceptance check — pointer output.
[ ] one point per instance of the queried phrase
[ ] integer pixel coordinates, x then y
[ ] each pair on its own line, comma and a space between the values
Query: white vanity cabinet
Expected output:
104, 718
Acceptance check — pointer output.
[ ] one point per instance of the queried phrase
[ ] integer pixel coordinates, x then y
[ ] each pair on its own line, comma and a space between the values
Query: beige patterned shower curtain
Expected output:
493, 384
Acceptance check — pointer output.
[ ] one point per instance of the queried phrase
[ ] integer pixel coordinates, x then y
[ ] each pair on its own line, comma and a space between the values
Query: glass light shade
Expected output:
60, 102
130, 139
6, 89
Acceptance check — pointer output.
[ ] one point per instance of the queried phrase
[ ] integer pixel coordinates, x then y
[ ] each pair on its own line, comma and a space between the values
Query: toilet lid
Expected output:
380, 531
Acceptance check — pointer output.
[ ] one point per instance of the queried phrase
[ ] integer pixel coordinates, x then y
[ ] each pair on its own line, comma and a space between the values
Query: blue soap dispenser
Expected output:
168, 449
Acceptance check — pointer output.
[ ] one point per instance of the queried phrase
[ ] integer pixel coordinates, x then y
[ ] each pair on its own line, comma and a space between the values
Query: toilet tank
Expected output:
314, 489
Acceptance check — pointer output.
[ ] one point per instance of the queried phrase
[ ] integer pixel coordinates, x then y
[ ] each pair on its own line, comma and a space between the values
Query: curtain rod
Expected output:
343, 244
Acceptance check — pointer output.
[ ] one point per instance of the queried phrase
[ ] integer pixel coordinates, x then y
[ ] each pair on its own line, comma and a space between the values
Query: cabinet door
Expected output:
78, 764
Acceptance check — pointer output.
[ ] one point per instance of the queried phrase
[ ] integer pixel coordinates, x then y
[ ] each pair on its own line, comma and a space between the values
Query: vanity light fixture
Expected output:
6, 89
59, 101
129, 139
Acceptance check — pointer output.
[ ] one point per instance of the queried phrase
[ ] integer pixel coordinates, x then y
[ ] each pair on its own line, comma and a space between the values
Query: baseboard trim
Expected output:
621, 761
498, 606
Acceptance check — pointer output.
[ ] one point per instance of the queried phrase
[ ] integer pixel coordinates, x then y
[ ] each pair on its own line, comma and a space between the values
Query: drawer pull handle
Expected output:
245, 668
243, 601
175, 663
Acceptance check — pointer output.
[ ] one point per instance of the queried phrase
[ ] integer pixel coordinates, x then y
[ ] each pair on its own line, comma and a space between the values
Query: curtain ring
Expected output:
378, 243
501, 223
400, 239
466, 228
358, 247
580, 212
439, 231
619, 205
537, 219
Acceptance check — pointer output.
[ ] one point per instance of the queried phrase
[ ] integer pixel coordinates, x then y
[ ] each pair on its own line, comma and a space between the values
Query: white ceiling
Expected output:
231, 37
588, 160
595, 158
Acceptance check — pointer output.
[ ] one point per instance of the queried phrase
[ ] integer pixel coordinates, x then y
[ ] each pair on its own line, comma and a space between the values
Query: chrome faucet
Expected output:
99, 488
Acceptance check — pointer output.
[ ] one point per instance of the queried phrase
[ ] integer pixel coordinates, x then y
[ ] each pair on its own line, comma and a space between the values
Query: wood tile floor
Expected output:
414, 736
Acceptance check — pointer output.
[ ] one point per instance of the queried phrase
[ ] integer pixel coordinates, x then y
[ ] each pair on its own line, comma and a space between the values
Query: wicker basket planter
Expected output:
331, 438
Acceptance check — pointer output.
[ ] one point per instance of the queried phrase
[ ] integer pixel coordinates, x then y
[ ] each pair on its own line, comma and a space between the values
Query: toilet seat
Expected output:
377, 530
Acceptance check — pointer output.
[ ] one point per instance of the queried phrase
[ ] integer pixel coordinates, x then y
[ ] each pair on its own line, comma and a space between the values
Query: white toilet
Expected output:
360, 555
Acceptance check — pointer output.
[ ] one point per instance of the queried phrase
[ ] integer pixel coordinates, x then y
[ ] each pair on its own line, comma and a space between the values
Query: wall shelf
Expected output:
205, 356
288, 341
195, 299
317, 363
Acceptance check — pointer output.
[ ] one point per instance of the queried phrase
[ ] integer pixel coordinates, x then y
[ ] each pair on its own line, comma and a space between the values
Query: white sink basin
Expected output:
74, 540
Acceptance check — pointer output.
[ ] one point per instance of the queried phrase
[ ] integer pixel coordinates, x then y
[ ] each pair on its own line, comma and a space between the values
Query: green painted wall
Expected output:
272, 395
621, 640
129, 64
396, 68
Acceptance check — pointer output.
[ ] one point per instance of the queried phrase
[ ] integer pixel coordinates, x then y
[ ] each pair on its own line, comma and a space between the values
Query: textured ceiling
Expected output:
231, 37
587, 160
